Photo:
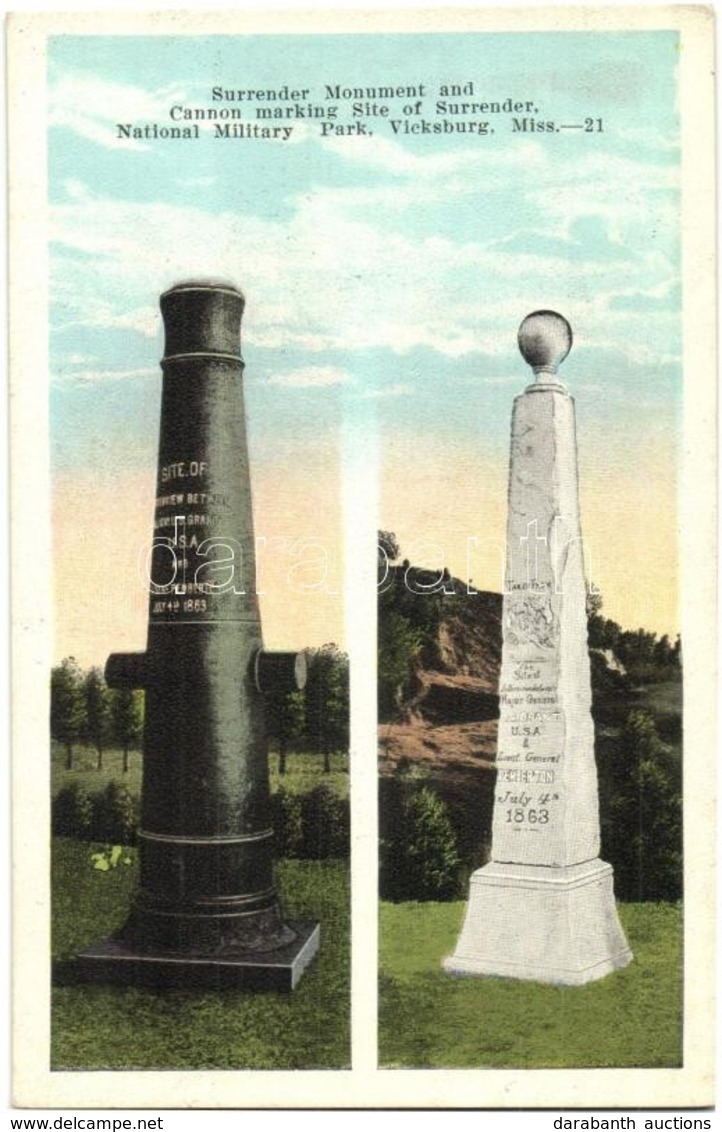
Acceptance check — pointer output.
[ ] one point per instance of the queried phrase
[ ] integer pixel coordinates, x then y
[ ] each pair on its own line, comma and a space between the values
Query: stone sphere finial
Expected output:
545, 339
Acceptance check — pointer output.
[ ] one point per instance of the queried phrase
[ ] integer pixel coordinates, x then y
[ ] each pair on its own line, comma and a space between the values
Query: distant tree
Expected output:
643, 656
665, 654
636, 648
285, 717
67, 706
604, 633
641, 793
594, 602
97, 723
388, 545
126, 708
399, 649
327, 702
423, 599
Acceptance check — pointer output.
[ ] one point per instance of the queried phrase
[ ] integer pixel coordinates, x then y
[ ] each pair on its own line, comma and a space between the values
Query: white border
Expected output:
362, 1087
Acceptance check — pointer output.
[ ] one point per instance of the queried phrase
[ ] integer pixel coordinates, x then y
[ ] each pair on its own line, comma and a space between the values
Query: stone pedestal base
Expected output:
551, 925
117, 961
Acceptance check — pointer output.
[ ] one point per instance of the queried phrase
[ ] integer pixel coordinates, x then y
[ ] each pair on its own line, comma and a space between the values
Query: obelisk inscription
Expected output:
544, 907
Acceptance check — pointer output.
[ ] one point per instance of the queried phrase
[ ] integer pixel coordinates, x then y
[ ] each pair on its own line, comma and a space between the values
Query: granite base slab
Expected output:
118, 962
549, 925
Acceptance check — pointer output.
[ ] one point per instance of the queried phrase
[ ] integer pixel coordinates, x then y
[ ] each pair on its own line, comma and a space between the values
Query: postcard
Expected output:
363, 480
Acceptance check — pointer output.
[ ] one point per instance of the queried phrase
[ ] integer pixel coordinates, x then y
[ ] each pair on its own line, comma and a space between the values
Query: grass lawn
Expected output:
428, 1019
84, 771
303, 771
95, 1027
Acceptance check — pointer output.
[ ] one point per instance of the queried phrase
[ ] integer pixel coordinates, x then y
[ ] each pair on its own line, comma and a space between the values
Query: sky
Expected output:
386, 274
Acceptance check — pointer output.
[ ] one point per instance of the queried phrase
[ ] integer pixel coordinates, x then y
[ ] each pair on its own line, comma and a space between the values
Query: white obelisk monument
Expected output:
543, 908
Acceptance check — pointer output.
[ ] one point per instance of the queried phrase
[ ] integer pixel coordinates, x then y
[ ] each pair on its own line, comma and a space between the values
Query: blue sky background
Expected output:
385, 280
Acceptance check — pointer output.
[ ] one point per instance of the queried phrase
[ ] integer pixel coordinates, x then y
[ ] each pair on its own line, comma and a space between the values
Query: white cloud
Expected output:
306, 376
384, 391
344, 271
92, 107
97, 374
201, 182
651, 138
390, 156
625, 192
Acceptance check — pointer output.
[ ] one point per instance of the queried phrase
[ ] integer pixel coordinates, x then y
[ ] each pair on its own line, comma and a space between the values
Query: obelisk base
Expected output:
550, 925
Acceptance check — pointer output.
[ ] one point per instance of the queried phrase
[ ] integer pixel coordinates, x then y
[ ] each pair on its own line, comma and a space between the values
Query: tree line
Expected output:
316, 719
83, 709
644, 655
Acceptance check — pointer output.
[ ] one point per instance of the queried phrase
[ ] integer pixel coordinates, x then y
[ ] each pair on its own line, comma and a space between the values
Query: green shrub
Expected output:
115, 818
314, 825
419, 855
326, 824
287, 817
72, 812
641, 813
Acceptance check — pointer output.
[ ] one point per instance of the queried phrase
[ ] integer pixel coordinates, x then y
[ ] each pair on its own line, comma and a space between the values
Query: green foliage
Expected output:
641, 813
82, 707
287, 818
311, 822
97, 721
412, 603
326, 824
85, 769
115, 817
103, 1027
388, 548
399, 649
126, 709
432, 858
419, 857
605, 679
304, 769
285, 724
429, 1019
594, 602
67, 705
110, 857
327, 702
644, 656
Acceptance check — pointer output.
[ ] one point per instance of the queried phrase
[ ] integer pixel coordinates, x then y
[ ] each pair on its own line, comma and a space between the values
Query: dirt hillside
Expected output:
449, 722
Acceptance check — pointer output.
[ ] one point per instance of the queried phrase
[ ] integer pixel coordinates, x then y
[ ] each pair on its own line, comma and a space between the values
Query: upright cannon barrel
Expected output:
207, 908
